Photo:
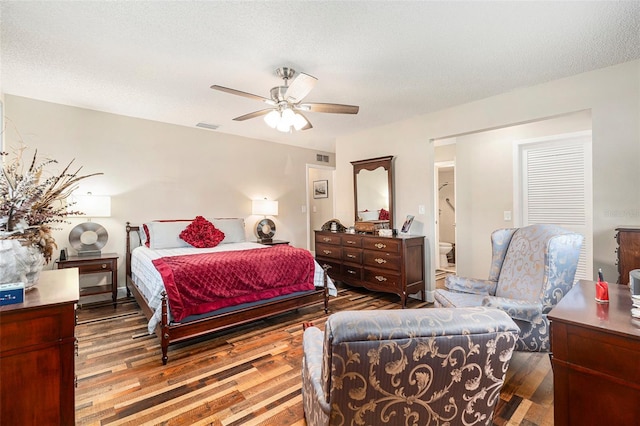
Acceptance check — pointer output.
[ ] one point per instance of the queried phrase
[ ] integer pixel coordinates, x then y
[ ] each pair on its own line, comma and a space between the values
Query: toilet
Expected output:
444, 249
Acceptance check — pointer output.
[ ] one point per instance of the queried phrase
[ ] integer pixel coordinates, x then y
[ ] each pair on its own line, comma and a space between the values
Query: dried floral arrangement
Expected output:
30, 201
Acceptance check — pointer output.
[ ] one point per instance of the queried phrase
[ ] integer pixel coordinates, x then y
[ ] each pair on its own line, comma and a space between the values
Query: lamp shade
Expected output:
264, 207
91, 205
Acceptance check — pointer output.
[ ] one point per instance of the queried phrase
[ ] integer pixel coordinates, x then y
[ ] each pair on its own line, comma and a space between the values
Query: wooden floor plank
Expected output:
246, 376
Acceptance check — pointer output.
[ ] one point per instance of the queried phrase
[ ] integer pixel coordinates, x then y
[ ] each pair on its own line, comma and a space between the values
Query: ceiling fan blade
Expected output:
300, 87
330, 108
244, 94
253, 114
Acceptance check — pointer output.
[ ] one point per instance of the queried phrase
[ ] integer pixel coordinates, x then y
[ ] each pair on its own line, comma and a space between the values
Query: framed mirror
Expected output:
373, 193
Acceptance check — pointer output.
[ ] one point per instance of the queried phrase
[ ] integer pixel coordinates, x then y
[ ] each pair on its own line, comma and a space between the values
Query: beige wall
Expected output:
320, 209
611, 94
155, 170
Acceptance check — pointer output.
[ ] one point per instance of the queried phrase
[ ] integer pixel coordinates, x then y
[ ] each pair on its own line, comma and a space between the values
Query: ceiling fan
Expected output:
287, 108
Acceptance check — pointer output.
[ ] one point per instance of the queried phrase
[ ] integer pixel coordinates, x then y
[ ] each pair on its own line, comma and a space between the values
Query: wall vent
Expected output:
322, 158
207, 126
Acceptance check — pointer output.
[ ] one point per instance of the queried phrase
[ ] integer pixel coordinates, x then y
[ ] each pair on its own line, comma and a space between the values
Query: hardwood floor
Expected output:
248, 376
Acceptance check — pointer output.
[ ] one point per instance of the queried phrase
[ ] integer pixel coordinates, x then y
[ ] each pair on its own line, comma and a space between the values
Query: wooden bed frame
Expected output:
175, 333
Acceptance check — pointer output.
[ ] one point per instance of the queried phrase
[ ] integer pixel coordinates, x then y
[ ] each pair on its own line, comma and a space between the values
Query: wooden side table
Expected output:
272, 242
94, 264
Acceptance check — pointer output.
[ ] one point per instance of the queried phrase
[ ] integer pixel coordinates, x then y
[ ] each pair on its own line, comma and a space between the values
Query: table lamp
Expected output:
265, 229
89, 238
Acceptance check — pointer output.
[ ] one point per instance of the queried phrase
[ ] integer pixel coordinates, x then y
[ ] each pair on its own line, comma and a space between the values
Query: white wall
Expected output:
611, 94
155, 170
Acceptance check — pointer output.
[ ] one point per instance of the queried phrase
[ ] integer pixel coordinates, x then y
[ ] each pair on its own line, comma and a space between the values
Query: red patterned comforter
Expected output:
201, 283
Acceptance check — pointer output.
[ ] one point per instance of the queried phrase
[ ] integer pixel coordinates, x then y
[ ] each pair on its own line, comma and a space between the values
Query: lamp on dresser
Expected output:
89, 238
265, 228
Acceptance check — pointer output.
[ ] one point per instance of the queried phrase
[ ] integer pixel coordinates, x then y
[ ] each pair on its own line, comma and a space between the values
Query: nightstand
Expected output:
95, 264
272, 242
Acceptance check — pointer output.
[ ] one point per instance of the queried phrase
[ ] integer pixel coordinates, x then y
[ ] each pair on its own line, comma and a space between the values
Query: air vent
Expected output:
207, 126
322, 158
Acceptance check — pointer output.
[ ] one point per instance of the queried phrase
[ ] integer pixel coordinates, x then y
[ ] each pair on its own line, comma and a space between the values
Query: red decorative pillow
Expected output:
202, 234
384, 215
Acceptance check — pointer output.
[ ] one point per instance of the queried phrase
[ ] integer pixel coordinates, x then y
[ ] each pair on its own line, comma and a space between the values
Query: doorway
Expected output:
445, 217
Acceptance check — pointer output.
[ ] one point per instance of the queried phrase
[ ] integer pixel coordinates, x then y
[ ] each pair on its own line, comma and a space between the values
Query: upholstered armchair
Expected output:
406, 366
532, 268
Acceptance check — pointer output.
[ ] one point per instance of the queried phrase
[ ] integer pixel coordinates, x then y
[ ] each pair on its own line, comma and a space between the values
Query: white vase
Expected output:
20, 263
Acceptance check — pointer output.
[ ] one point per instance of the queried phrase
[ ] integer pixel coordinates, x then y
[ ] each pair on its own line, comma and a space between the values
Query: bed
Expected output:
154, 248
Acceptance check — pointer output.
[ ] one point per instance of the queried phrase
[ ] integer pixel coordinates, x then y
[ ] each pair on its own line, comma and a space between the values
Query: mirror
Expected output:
373, 192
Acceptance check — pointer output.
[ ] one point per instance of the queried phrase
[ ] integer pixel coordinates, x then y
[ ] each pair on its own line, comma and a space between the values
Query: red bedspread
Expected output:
201, 283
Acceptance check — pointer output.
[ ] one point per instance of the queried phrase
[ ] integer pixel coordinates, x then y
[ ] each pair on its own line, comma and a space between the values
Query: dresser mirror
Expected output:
373, 194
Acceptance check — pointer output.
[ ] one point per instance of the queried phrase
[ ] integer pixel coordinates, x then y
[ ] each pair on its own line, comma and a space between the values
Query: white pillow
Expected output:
233, 229
167, 234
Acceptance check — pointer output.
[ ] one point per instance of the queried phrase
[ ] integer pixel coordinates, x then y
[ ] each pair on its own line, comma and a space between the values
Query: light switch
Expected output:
421, 209
303, 209
507, 215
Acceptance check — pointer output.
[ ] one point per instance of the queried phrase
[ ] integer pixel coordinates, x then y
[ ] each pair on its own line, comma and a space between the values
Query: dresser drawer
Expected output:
351, 240
353, 255
333, 239
333, 268
381, 278
353, 272
326, 250
380, 259
389, 245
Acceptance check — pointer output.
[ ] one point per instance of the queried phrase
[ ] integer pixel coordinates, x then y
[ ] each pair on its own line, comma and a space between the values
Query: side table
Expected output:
272, 242
94, 264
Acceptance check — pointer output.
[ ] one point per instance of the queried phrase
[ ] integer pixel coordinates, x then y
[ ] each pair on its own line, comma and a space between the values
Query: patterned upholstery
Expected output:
531, 270
406, 367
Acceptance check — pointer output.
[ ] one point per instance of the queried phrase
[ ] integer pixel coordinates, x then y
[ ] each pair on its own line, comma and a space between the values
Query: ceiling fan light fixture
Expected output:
272, 119
299, 122
283, 126
288, 116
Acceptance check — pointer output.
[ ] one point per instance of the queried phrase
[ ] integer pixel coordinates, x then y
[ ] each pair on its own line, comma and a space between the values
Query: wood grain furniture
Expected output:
595, 358
272, 242
37, 353
388, 264
95, 264
628, 252
176, 332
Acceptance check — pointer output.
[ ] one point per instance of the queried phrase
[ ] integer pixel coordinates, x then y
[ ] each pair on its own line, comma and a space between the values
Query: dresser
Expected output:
37, 353
595, 353
628, 252
387, 264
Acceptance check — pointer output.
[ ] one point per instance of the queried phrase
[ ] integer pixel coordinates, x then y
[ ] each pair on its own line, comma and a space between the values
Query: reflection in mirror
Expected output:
373, 193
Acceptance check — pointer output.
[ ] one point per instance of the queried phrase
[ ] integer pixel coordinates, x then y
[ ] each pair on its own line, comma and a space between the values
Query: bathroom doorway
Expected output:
445, 217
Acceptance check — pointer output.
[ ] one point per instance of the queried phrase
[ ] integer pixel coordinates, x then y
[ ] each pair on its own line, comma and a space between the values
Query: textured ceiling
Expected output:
156, 60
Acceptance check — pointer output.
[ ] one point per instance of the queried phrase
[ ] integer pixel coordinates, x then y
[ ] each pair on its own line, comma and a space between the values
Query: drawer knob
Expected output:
351, 256
380, 278
351, 242
380, 245
379, 261
104, 266
352, 272
327, 251
326, 240
327, 267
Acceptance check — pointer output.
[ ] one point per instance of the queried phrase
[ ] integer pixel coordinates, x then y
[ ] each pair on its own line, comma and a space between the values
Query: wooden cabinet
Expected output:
388, 264
628, 252
595, 352
37, 353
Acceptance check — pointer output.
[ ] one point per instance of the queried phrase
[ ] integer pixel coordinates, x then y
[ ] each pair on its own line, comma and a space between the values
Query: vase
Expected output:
20, 261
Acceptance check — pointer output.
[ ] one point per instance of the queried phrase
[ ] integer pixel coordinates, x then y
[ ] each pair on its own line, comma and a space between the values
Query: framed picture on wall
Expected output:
320, 189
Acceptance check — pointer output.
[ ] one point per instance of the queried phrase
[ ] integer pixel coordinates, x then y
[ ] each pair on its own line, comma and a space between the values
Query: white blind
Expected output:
556, 189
